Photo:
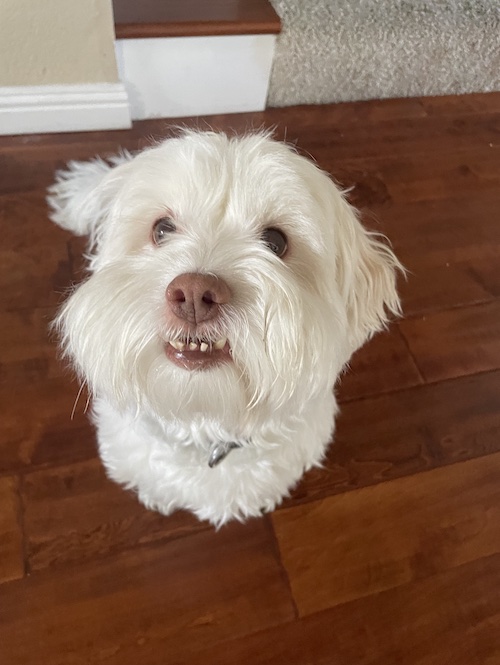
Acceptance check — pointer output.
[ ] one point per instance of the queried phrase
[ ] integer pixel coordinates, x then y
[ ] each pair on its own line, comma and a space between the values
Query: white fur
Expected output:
292, 323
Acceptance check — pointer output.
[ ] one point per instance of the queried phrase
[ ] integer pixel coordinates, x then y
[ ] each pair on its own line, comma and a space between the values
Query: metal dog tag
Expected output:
219, 452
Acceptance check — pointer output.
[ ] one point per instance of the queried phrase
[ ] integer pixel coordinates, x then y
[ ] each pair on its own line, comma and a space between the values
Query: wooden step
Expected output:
190, 18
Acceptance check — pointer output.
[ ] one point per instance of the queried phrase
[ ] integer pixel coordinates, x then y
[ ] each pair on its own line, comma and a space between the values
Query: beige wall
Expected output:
56, 42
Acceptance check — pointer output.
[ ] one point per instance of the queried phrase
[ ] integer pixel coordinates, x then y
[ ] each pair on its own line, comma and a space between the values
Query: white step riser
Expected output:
189, 76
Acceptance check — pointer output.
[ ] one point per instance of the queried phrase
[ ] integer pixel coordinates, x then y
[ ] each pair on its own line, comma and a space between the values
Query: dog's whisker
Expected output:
82, 385
87, 403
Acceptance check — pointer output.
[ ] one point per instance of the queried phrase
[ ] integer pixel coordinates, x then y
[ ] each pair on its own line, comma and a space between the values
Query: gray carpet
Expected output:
341, 50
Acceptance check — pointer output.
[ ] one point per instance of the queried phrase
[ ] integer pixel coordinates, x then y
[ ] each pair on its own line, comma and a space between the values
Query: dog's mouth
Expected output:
198, 354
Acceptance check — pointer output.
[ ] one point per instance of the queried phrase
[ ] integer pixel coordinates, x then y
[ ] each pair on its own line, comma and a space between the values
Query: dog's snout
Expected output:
195, 297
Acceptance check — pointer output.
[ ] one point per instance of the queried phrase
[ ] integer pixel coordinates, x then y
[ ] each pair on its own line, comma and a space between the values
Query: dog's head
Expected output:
227, 275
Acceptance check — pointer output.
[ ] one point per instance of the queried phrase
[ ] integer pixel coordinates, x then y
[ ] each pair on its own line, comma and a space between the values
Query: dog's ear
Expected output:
82, 193
366, 271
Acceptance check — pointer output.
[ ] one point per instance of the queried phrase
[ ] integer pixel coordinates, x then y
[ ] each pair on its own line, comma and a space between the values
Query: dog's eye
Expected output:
161, 228
276, 241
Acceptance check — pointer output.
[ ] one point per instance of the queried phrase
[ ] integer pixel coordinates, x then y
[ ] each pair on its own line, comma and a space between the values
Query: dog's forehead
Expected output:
200, 153
251, 176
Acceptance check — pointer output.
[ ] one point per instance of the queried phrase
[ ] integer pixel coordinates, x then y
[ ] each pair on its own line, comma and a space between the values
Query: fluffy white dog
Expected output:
230, 282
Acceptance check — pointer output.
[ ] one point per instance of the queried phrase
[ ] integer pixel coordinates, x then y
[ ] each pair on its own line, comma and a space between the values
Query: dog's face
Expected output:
229, 277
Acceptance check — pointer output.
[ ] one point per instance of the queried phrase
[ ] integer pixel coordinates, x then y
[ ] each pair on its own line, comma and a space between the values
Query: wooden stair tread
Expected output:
190, 18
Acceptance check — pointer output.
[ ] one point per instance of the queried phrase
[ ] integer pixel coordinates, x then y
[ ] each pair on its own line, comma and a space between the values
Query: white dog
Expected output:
230, 282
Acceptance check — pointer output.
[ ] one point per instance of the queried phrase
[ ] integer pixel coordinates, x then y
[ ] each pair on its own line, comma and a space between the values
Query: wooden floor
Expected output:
391, 553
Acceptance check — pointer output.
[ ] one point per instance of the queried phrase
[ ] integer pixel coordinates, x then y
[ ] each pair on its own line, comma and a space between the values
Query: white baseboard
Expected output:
186, 76
63, 108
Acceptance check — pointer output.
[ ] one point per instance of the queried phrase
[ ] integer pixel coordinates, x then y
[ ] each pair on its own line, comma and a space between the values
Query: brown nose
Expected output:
194, 297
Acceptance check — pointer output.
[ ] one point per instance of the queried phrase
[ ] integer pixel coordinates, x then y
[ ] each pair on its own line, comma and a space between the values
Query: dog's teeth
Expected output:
220, 343
194, 346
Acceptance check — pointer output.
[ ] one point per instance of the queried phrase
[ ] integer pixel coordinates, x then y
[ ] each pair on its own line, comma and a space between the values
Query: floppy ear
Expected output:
82, 193
366, 271
362, 266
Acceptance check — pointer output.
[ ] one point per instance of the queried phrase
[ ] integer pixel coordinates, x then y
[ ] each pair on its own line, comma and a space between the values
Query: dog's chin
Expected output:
198, 358
215, 391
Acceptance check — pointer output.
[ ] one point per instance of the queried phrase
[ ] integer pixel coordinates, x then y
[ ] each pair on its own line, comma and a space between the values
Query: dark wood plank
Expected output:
447, 175
407, 432
150, 605
488, 275
384, 364
11, 546
418, 136
445, 245
27, 351
435, 228
188, 18
450, 174
36, 427
34, 261
455, 342
458, 105
435, 285
31, 165
377, 538
73, 514
452, 617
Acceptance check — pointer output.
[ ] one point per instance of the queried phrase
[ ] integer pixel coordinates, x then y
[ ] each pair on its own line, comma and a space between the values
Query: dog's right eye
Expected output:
276, 240
161, 228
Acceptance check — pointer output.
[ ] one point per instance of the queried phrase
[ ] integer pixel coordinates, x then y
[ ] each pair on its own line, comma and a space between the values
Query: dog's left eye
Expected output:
161, 228
276, 240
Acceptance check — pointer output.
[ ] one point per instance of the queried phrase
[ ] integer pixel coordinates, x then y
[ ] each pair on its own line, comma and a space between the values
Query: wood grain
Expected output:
441, 231
455, 342
27, 351
454, 172
390, 534
36, 427
11, 547
190, 18
156, 605
383, 365
407, 432
33, 254
452, 617
436, 285
73, 514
